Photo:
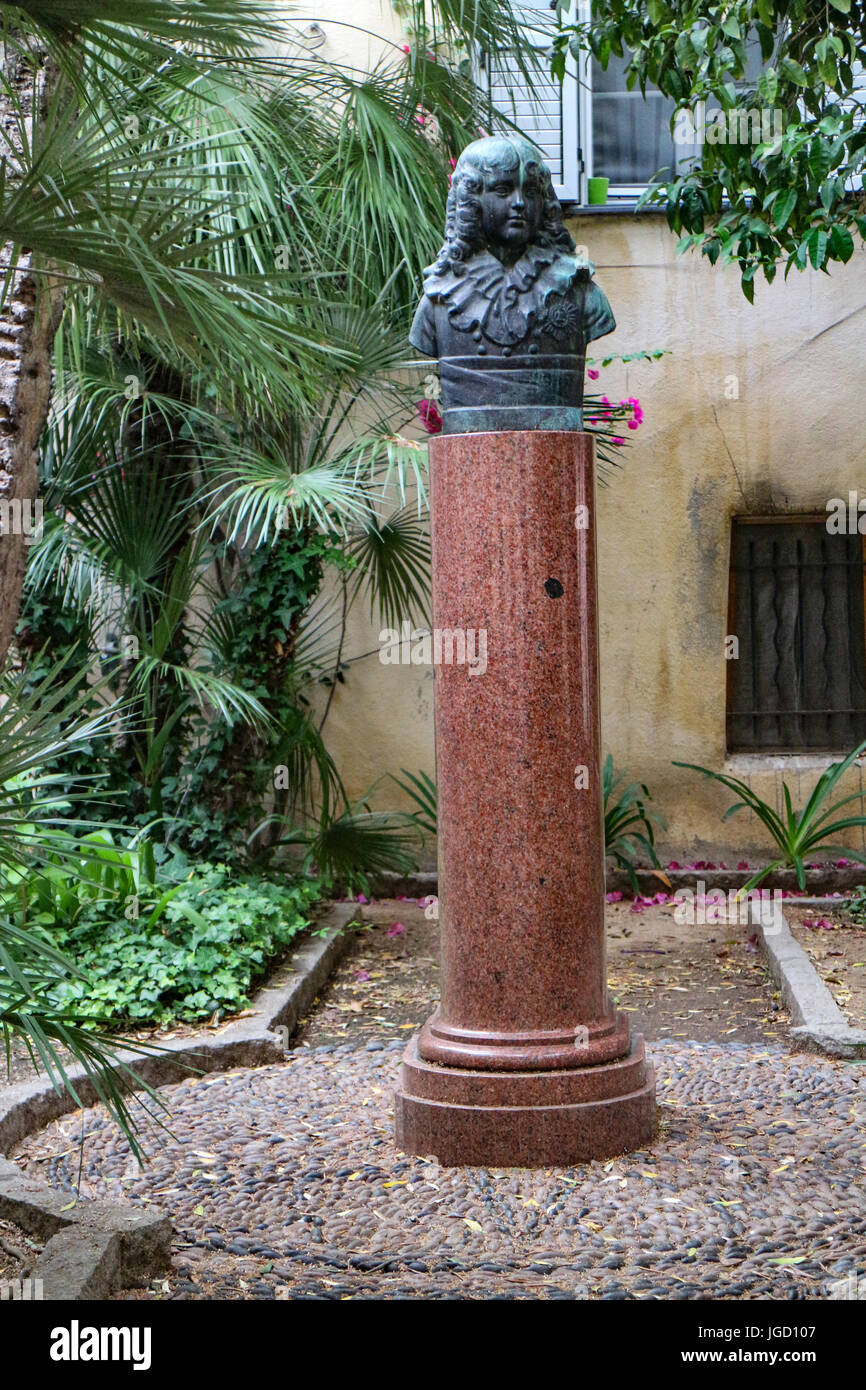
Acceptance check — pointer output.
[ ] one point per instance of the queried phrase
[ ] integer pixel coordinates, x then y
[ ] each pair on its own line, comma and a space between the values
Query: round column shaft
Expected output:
525, 1023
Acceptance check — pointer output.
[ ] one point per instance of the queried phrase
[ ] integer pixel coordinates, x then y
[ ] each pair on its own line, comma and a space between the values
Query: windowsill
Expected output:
740, 763
619, 208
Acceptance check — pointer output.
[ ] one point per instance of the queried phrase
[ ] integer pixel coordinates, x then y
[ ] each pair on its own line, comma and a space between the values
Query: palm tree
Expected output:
102, 188
323, 185
83, 201
231, 245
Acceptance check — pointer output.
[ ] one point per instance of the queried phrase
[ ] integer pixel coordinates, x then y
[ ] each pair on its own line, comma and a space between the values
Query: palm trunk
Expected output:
28, 322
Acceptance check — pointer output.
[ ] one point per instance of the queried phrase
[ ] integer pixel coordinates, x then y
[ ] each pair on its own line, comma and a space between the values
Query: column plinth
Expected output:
525, 1061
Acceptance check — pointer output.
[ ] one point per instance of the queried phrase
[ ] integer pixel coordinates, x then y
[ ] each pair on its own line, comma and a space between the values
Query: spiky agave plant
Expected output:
798, 835
629, 826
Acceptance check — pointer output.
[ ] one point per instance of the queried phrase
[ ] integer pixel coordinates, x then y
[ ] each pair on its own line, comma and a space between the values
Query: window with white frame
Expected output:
591, 124
548, 114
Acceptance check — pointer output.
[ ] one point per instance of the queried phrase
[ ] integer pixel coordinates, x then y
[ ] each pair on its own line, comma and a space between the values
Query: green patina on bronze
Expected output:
508, 307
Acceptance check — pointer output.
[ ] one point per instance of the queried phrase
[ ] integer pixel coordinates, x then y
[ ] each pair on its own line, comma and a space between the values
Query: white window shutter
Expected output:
547, 116
856, 101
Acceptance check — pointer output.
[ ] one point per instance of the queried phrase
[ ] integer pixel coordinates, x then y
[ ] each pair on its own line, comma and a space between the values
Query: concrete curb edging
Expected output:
92, 1248
819, 1024
95, 1248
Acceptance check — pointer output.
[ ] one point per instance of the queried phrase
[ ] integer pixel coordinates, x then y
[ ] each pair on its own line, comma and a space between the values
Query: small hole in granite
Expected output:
554, 588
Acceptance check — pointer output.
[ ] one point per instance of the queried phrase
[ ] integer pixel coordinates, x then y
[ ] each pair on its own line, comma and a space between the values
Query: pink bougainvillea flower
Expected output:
673, 864
361, 898
406, 48
617, 440
430, 417
396, 930
742, 864
842, 863
660, 897
632, 425
592, 373
825, 924
361, 975
613, 897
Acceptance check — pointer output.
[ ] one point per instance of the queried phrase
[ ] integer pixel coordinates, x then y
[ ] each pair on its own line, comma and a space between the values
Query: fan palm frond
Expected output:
392, 565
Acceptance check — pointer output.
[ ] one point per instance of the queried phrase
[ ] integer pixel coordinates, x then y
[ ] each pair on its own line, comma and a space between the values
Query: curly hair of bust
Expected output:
464, 235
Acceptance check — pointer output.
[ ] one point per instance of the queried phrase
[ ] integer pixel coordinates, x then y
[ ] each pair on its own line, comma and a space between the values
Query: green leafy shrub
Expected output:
197, 954
41, 862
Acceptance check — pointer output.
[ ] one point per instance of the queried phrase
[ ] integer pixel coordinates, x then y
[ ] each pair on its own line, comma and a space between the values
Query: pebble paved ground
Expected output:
283, 1182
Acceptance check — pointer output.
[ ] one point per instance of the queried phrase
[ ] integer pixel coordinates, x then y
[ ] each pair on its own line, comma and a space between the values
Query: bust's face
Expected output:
511, 208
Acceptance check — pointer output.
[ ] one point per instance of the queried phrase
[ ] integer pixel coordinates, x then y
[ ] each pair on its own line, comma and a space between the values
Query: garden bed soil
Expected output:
701, 982
17, 1252
837, 949
387, 984
674, 981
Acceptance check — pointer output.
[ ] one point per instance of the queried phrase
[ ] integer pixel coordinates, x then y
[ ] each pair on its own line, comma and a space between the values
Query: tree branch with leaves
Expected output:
794, 199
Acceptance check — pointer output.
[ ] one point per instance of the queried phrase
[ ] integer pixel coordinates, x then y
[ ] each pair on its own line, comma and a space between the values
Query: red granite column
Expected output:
525, 1062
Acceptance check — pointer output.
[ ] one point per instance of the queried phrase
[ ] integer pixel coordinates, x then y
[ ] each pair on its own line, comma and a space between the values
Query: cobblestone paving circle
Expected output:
287, 1177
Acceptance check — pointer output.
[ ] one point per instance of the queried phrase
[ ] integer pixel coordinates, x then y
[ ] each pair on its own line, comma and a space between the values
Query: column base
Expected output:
603, 1040
525, 1119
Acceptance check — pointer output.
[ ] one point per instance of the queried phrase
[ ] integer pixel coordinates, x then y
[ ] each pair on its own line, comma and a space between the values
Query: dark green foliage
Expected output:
628, 825
790, 199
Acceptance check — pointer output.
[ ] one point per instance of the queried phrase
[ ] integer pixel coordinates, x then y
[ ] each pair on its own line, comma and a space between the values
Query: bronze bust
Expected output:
508, 308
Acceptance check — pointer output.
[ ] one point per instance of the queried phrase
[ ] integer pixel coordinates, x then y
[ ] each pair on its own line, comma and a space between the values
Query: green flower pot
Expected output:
597, 190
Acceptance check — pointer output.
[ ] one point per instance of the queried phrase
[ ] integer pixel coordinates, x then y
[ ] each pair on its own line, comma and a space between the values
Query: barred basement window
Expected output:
796, 606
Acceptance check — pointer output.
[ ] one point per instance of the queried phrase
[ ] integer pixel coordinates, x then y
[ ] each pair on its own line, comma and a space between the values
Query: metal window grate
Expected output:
797, 609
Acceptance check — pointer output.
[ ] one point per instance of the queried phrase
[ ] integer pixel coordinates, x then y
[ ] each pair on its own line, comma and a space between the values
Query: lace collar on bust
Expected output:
501, 301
